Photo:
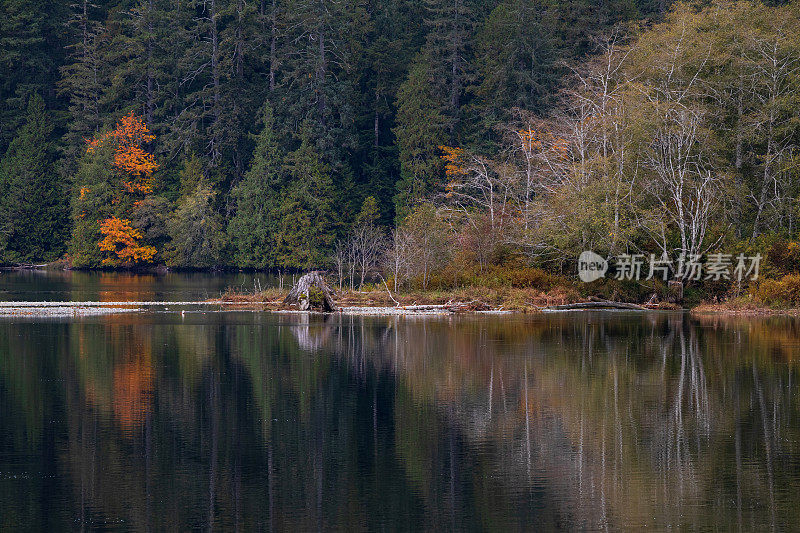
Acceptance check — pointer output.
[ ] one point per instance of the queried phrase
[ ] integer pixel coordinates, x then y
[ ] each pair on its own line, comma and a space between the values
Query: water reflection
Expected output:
78, 286
278, 422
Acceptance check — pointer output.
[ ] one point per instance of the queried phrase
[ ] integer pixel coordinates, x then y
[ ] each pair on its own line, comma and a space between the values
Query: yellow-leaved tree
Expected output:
122, 242
115, 176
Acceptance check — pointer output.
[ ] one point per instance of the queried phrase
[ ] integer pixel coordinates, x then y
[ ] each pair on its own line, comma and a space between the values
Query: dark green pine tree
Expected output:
83, 81
196, 231
317, 82
172, 64
420, 130
143, 63
94, 183
518, 62
253, 229
198, 120
31, 50
240, 98
308, 218
396, 34
32, 197
448, 46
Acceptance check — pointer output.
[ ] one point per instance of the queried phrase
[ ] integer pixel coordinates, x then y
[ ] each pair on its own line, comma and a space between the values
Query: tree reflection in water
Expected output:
307, 422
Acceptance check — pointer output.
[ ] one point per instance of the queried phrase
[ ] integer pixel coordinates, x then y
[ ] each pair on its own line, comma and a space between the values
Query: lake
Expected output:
276, 422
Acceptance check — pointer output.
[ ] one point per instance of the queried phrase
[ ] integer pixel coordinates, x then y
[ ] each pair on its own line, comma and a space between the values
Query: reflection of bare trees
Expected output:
617, 417
584, 421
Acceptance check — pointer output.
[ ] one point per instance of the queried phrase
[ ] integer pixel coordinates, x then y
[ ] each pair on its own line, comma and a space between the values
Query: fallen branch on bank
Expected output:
595, 305
390, 292
453, 307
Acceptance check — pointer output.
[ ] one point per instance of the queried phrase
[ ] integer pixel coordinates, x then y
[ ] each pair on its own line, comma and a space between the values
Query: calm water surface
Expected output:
77, 286
288, 422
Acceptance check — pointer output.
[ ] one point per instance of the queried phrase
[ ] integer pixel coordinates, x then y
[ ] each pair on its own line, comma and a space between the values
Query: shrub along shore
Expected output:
757, 301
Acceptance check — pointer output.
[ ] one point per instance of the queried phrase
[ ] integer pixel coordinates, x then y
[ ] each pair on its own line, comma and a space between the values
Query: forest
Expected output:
439, 142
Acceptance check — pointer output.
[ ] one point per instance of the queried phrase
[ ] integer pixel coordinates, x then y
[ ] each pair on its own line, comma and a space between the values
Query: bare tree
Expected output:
684, 184
398, 256
429, 239
359, 254
366, 243
476, 185
775, 64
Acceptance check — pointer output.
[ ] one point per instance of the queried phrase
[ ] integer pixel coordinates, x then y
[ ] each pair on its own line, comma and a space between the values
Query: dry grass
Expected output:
502, 298
506, 298
742, 307
268, 298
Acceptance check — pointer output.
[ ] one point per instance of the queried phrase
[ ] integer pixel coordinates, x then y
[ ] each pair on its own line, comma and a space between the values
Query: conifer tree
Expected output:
420, 131
517, 59
195, 230
32, 197
92, 201
253, 228
83, 80
30, 52
449, 39
308, 220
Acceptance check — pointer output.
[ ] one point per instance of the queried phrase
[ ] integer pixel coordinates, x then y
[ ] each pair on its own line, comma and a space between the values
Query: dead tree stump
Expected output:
311, 293
675, 289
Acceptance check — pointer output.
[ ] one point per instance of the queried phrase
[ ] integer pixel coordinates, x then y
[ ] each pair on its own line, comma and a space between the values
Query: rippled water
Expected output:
289, 422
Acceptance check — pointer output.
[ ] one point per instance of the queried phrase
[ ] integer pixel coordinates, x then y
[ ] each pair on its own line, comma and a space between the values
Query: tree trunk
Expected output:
272, 43
311, 293
595, 305
150, 104
215, 78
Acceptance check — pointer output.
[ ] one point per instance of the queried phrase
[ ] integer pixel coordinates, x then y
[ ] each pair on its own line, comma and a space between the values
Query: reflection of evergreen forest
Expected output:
277, 422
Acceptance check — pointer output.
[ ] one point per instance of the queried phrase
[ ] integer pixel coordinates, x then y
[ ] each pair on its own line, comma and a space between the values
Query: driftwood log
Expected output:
453, 307
311, 293
595, 305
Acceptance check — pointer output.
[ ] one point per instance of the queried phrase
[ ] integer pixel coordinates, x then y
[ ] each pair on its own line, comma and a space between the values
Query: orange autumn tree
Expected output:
118, 176
123, 242
130, 158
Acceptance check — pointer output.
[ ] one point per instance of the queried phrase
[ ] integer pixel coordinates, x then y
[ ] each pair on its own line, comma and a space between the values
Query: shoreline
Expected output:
383, 303
67, 309
496, 300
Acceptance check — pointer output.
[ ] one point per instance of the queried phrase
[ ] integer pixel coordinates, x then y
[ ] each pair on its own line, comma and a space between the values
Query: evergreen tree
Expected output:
92, 202
448, 46
190, 175
308, 220
196, 231
30, 52
369, 212
239, 99
141, 76
31, 193
83, 81
318, 82
420, 131
253, 228
396, 34
518, 61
